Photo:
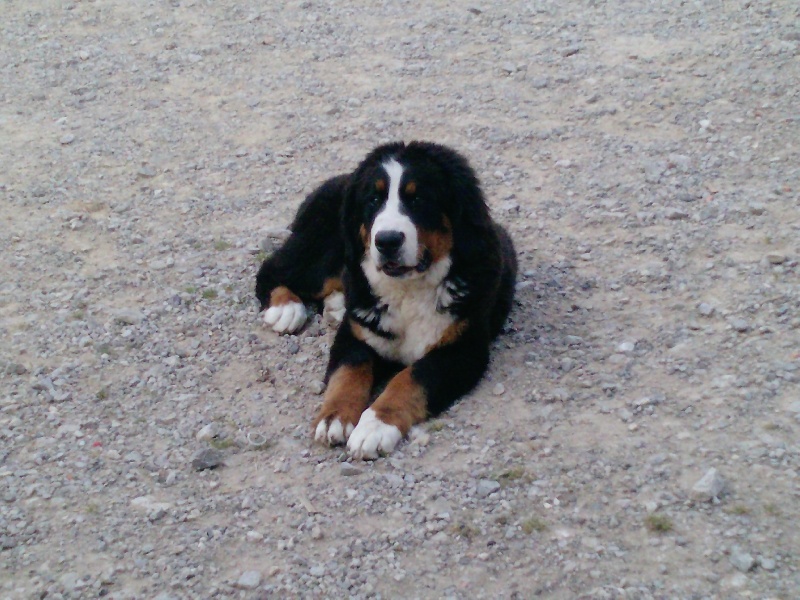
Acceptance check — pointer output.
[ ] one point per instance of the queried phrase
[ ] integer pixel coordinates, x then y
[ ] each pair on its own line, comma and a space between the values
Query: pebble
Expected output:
486, 487
209, 458
776, 259
740, 325
350, 470
741, 560
626, 347
499, 389
249, 580
767, 564
709, 486
705, 310
676, 214
146, 171
208, 432
67, 139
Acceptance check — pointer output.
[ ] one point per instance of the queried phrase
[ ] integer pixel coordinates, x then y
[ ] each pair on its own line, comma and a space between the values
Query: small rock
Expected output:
349, 470
705, 310
316, 533
571, 50
776, 259
626, 347
207, 459
709, 486
249, 580
316, 387
499, 389
209, 432
67, 139
539, 83
741, 560
767, 564
486, 487
676, 214
756, 208
317, 571
128, 316
740, 325
146, 172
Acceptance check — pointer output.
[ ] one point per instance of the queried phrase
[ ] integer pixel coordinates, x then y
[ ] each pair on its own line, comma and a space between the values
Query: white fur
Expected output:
372, 436
334, 307
412, 313
334, 433
286, 318
391, 219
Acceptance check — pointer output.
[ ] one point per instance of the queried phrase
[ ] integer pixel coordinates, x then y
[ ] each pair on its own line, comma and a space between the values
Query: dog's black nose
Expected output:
389, 243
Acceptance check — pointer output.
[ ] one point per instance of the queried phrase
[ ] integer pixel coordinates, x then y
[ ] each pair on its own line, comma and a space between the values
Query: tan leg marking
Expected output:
331, 285
345, 399
402, 403
282, 295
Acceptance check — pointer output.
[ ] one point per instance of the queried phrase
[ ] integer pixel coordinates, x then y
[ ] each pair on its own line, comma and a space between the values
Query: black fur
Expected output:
327, 241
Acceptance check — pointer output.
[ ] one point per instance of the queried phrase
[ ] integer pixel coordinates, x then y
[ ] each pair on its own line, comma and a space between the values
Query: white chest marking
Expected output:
411, 312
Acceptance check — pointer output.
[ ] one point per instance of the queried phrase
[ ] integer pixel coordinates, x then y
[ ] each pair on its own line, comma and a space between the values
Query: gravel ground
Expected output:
644, 155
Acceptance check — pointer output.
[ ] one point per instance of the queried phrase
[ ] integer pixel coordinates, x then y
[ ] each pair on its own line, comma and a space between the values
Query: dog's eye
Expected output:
373, 202
414, 201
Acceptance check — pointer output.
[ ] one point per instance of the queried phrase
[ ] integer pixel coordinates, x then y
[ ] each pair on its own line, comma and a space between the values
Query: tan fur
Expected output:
450, 335
403, 402
282, 295
380, 185
331, 285
438, 243
411, 188
347, 395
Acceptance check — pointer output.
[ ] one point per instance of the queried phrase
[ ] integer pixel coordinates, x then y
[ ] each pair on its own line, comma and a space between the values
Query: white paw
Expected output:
286, 318
334, 433
372, 436
334, 307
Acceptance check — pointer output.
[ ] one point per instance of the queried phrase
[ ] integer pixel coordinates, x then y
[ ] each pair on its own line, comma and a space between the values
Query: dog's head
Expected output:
403, 207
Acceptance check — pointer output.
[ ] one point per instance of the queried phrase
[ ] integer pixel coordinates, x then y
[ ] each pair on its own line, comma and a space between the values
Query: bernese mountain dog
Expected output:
403, 251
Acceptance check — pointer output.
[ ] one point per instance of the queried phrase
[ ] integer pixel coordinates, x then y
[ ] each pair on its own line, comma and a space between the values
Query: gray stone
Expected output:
775, 258
768, 564
146, 172
705, 310
128, 316
740, 325
486, 487
208, 432
349, 470
499, 389
66, 139
676, 214
709, 486
249, 580
741, 560
207, 459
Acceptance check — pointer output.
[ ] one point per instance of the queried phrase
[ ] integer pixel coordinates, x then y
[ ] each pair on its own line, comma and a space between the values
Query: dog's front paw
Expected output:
372, 437
334, 307
286, 318
332, 431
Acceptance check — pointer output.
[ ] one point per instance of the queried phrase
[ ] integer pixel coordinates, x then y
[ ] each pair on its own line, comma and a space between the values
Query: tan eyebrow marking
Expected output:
411, 188
380, 185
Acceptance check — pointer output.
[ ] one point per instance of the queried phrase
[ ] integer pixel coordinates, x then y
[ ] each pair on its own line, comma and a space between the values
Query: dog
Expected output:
404, 251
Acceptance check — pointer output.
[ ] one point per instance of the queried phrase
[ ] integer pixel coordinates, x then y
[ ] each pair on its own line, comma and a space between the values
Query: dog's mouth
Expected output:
395, 269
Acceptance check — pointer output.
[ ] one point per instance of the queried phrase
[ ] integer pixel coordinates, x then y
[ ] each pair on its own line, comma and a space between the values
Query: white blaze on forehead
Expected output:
390, 218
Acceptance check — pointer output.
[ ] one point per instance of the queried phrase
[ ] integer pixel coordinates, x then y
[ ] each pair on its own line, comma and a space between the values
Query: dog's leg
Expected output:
426, 388
309, 265
350, 379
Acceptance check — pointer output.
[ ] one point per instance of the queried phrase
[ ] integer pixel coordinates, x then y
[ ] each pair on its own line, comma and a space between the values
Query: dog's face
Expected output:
402, 204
